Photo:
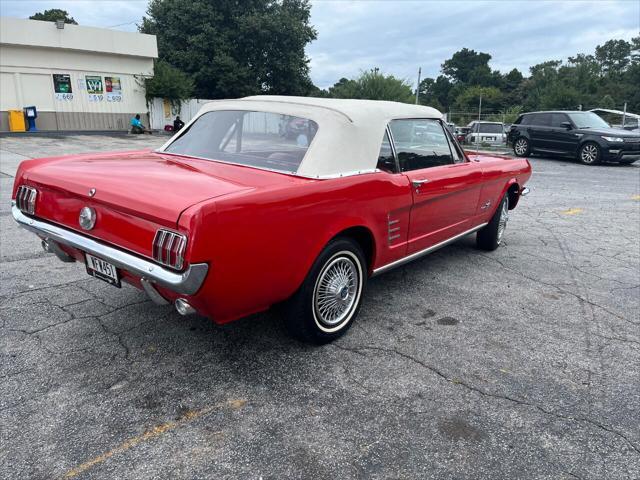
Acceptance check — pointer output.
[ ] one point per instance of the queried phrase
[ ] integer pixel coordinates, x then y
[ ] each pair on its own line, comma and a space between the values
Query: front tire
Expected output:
490, 237
589, 154
521, 147
328, 301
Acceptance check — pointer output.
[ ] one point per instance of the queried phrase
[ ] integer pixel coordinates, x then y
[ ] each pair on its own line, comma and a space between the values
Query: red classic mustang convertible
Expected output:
268, 200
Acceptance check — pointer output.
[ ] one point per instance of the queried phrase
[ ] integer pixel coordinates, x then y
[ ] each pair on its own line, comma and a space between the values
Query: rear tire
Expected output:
490, 237
521, 147
329, 299
589, 154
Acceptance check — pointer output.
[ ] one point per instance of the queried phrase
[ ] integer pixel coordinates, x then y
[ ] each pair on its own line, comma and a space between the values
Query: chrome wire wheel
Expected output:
504, 218
337, 291
520, 146
589, 153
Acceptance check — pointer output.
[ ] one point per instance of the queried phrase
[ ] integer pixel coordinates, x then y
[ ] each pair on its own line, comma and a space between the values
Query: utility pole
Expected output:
624, 114
478, 132
418, 86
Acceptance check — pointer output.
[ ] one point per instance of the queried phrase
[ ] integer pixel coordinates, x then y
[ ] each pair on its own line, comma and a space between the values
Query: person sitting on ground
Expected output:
177, 124
137, 126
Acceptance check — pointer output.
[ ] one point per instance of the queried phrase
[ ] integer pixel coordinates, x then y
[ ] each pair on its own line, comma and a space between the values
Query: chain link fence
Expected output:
462, 119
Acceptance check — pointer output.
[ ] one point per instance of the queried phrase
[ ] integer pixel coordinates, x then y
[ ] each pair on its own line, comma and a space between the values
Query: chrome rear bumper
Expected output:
186, 283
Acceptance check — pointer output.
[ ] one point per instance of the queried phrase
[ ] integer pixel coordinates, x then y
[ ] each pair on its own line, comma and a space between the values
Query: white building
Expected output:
78, 78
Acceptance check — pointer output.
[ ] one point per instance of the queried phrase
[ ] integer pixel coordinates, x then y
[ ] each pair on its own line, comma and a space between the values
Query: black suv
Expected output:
581, 135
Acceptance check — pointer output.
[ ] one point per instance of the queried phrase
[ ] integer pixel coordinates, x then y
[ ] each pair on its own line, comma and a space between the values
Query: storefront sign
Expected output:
94, 88
62, 87
113, 87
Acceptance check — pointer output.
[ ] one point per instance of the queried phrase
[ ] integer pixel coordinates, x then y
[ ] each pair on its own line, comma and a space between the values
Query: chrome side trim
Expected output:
281, 172
414, 256
187, 282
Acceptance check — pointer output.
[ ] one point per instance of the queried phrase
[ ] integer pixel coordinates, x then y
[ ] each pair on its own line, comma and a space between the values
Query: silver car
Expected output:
492, 133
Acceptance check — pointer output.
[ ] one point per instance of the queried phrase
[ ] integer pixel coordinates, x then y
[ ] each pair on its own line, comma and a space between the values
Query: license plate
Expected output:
489, 138
96, 267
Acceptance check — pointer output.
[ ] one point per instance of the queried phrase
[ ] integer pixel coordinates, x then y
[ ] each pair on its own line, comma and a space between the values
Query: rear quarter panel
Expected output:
498, 174
260, 245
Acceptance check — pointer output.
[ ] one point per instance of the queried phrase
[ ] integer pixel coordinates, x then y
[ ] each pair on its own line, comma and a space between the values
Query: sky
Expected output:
399, 36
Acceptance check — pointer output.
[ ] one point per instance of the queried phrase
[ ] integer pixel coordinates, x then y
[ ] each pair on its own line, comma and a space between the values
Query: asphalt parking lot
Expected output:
520, 363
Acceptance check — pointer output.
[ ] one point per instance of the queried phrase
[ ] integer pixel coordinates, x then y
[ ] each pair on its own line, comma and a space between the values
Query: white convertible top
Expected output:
349, 133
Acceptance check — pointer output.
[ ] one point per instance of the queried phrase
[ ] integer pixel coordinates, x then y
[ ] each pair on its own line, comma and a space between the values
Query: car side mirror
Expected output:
566, 125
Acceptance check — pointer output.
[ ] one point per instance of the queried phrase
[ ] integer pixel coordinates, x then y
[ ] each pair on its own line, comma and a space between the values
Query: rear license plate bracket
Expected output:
102, 270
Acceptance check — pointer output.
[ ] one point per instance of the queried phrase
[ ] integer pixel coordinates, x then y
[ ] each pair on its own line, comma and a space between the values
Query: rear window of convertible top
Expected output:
256, 139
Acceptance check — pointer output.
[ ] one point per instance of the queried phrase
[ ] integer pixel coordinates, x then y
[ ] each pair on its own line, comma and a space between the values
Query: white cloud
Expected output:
91, 13
398, 36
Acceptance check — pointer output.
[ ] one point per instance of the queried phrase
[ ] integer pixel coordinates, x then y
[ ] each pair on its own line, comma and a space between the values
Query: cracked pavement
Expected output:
518, 363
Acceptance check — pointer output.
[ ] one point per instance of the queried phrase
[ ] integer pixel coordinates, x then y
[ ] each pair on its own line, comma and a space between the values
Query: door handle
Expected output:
419, 183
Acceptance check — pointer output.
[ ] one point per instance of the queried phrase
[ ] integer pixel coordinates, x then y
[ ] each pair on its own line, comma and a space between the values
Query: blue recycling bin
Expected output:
30, 113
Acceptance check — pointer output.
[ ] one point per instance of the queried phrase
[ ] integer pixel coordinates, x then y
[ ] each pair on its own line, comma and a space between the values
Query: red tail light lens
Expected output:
168, 248
26, 199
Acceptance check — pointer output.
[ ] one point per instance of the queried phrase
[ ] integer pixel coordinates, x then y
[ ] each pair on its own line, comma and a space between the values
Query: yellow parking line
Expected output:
153, 433
572, 211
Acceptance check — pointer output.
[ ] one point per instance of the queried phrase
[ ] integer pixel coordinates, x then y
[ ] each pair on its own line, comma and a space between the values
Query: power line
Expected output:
122, 24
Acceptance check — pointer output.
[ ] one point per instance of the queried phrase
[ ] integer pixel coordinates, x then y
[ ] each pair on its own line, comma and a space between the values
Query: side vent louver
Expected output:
169, 247
393, 230
26, 199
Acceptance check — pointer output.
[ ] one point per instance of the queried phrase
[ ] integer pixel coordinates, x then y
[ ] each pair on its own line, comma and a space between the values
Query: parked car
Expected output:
619, 118
461, 134
229, 218
293, 127
491, 133
581, 135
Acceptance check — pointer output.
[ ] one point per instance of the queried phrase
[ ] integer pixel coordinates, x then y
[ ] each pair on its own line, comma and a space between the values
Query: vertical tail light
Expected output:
168, 248
26, 199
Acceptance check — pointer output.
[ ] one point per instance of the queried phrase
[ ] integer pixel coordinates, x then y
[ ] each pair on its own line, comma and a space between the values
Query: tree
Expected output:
52, 15
607, 102
513, 79
468, 100
168, 82
614, 56
373, 85
343, 88
427, 94
233, 49
443, 93
460, 67
583, 71
635, 49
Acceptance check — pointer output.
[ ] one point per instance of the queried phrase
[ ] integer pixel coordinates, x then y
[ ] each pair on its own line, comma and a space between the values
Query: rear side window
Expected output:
255, 139
491, 128
541, 119
420, 143
526, 120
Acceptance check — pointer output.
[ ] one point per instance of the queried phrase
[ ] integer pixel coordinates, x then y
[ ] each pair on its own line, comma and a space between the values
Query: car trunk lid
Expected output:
136, 193
145, 184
